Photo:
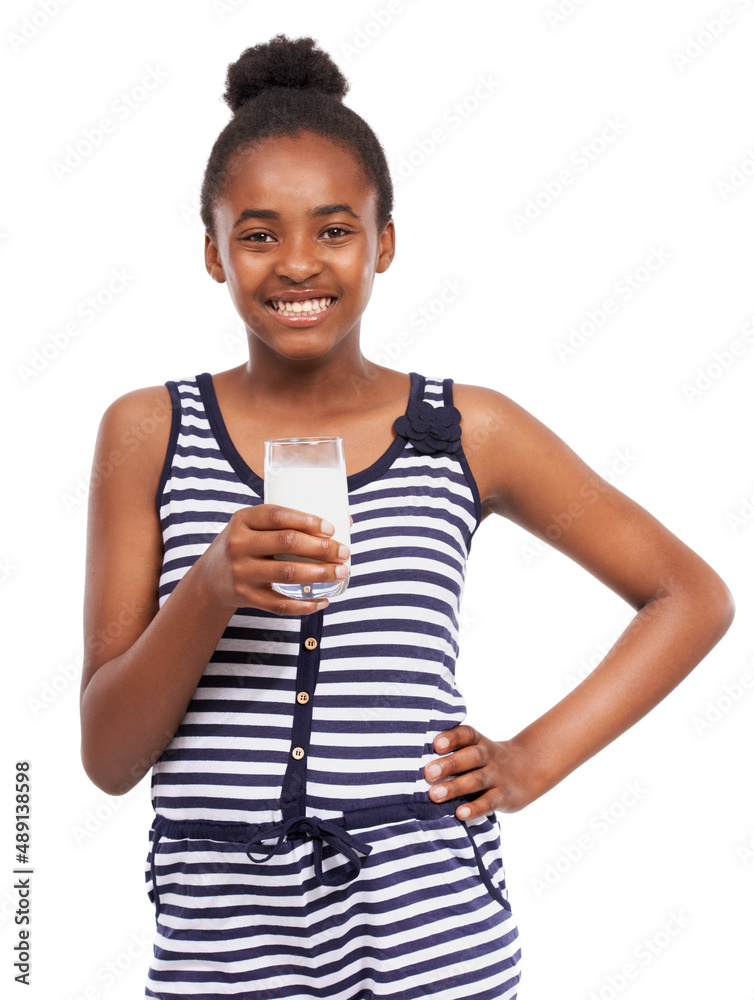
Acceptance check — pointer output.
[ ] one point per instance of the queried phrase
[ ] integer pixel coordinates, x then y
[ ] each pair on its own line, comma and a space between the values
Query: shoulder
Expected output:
503, 442
138, 402
135, 429
489, 417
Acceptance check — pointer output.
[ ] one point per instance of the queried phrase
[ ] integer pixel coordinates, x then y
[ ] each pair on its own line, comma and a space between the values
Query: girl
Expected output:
325, 820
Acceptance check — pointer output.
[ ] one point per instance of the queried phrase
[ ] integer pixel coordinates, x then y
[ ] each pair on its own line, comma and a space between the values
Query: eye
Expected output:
253, 237
338, 232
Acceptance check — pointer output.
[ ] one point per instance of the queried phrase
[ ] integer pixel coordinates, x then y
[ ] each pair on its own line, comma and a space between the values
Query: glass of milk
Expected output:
309, 474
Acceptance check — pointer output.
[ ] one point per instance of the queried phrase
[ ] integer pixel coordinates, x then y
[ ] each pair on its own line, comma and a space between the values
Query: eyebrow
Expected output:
267, 213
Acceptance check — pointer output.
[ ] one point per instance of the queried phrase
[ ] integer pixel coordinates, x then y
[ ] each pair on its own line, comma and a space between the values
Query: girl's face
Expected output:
296, 222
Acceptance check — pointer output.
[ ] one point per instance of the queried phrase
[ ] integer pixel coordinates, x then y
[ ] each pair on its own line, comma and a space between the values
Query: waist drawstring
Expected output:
331, 831
321, 830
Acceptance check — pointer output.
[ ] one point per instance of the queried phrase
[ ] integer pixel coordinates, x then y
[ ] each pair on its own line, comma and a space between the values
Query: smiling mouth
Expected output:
305, 306
302, 312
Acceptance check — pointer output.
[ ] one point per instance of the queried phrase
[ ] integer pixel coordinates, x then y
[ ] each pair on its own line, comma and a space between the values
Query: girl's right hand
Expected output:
239, 569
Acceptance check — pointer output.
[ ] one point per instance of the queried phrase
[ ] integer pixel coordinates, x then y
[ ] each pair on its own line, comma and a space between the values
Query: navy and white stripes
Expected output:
281, 729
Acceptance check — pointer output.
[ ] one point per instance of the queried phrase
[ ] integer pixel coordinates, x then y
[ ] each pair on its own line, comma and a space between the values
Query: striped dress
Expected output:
295, 852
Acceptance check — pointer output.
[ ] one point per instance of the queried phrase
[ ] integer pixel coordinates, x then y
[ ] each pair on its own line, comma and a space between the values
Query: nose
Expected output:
298, 259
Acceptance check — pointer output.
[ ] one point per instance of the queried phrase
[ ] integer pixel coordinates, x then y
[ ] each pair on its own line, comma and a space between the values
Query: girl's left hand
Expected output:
476, 763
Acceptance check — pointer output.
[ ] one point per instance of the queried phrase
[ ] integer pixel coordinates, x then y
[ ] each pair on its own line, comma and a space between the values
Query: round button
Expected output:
298, 752
311, 643
307, 590
302, 697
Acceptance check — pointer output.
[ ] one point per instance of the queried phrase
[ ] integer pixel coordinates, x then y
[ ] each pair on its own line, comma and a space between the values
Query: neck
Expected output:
333, 381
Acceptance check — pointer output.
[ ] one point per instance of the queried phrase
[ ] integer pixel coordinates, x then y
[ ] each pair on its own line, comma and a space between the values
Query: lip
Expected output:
302, 319
301, 296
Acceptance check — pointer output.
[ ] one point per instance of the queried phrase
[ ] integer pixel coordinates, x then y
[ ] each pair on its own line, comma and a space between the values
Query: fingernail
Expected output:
463, 812
441, 743
440, 792
343, 552
327, 528
434, 771
341, 571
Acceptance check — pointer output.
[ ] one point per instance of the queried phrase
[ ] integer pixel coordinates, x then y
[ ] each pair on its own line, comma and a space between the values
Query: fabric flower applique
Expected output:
431, 429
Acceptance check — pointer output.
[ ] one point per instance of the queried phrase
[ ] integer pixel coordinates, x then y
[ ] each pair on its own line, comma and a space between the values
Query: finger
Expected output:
481, 806
268, 516
456, 737
466, 759
269, 571
466, 784
290, 542
277, 604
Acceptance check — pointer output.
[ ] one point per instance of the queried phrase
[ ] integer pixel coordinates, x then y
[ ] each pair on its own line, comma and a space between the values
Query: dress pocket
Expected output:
150, 874
484, 836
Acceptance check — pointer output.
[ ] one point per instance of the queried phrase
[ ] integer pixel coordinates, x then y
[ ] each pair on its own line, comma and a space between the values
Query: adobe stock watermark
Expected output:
34, 23
419, 321
598, 826
707, 34
388, 351
392, 695
190, 208
561, 12
85, 313
130, 440
589, 491
55, 685
7, 569
112, 971
452, 119
648, 949
586, 664
717, 708
579, 162
120, 110
224, 7
366, 32
95, 818
743, 515
745, 851
739, 176
623, 290
719, 364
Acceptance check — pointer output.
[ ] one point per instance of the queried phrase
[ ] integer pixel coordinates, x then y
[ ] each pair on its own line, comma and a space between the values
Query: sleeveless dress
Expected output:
295, 852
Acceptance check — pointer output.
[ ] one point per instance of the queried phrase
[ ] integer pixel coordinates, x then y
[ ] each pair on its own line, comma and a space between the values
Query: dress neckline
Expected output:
256, 482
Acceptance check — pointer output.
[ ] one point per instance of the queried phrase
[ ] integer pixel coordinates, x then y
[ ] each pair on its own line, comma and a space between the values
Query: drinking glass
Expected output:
309, 474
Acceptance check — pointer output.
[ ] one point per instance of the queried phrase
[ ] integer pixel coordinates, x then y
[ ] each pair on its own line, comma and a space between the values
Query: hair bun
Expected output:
282, 62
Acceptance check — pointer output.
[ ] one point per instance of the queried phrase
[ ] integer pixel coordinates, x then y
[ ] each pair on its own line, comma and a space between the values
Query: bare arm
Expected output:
528, 474
142, 663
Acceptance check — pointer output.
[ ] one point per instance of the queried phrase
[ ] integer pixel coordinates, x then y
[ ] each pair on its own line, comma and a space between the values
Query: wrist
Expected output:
204, 600
527, 777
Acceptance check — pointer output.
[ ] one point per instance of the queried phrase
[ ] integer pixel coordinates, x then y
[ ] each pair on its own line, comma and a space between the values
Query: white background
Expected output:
533, 619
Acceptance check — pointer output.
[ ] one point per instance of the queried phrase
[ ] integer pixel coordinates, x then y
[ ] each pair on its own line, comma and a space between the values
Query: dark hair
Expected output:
282, 88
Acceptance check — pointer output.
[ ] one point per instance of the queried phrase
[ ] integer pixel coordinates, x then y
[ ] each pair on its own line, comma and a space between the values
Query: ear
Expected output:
386, 248
212, 260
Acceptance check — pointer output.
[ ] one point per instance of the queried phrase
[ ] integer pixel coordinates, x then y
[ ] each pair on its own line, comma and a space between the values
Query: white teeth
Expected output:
305, 306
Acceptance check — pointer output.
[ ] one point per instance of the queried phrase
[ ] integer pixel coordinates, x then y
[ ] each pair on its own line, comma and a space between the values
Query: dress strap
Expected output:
431, 423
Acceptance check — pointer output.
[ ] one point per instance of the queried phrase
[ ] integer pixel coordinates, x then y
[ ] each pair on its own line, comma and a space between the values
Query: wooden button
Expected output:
302, 697
298, 752
311, 643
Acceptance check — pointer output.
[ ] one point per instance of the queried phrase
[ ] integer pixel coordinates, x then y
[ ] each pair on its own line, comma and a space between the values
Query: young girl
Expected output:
325, 820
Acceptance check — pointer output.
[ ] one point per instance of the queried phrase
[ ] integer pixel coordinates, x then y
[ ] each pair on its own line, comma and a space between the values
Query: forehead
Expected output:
292, 175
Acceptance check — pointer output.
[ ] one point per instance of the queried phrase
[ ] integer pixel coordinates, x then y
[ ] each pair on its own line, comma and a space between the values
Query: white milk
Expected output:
320, 490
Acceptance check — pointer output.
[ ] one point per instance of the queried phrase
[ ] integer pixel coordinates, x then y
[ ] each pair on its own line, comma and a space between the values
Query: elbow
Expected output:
726, 608
715, 605
103, 777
